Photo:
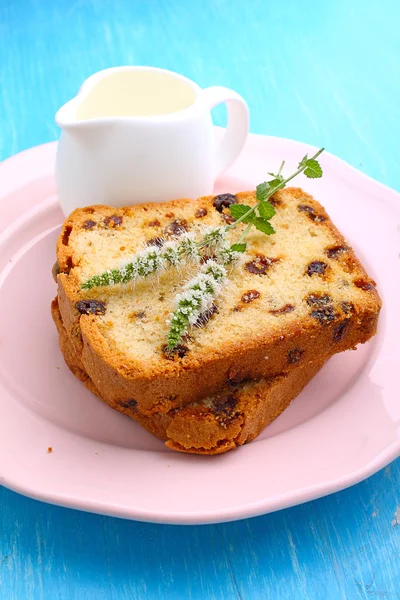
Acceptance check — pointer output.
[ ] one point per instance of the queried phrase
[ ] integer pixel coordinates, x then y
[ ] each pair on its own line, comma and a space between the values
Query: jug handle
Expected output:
237, 128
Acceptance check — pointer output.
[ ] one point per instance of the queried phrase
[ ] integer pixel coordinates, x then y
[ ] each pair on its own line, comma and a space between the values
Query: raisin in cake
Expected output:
300, 296
219, 423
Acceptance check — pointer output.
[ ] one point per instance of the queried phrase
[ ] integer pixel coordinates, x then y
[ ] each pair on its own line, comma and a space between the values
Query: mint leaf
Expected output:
238, 210
313, 169
303, 162
239, 247
262, 191
275, 182
263, 225
266, 210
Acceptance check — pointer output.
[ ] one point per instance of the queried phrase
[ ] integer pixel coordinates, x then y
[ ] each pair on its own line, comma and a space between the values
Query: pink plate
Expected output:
343, 427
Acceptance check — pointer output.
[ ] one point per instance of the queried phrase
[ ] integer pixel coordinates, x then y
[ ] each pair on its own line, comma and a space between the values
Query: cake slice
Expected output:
219, 423
299, 297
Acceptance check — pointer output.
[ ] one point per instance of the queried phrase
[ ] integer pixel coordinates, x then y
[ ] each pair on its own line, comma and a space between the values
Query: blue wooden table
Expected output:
324, 72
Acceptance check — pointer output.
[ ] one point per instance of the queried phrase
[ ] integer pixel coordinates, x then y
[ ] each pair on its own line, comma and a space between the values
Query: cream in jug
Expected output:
141, 134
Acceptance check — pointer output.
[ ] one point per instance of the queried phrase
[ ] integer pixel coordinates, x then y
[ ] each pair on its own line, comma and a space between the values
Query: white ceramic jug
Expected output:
141, 134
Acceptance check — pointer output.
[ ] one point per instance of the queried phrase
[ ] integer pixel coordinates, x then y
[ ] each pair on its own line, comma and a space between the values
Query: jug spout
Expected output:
66, 116
69, 120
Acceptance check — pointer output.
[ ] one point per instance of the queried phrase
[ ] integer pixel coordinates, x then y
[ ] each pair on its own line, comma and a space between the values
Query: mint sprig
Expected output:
203, 288
262, 212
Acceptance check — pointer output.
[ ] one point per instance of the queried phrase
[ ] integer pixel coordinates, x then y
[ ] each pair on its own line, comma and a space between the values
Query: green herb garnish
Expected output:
262, 212
196, 298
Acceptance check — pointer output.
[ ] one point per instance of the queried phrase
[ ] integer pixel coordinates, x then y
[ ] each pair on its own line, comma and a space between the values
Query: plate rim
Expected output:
263, 505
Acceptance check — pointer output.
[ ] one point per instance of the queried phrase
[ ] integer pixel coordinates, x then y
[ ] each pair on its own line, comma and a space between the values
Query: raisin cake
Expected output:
299, 296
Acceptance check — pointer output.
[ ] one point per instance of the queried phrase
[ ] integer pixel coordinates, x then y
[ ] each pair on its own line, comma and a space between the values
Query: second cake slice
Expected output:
214, 425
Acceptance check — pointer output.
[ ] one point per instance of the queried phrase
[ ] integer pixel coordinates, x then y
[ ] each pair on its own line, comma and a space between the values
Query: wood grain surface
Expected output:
326, 73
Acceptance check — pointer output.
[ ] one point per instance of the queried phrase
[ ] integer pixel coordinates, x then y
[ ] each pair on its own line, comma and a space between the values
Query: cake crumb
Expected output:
49, 450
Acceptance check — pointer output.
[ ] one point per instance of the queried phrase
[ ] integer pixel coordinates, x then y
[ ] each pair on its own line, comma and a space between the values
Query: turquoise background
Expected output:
326, 73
